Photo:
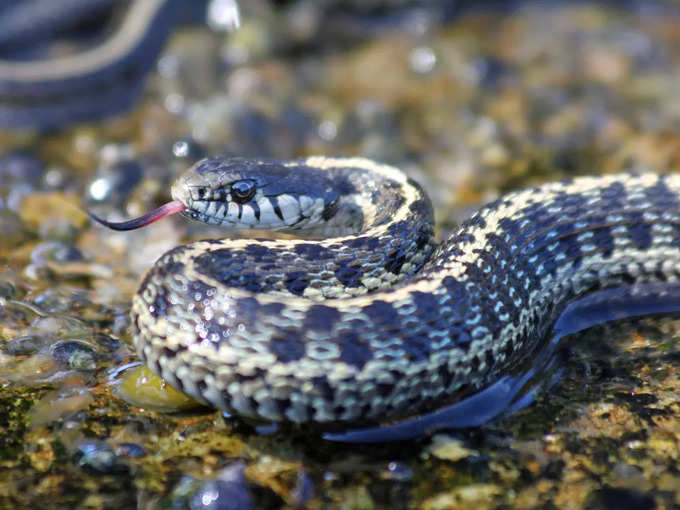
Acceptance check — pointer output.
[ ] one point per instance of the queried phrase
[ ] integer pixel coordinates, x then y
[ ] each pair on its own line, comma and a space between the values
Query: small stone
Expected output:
223, 15
12, 231
228, 492
140, 387
477, 493
621, 499
61, 326
397, 471
114, 183
20, 175
39, 209
56, 251
7, 289
187, 149
99, 458
24, 345
448, 448
304, 489
107, 342
422, 59
130, 450
75, 354
58, 300
59, 405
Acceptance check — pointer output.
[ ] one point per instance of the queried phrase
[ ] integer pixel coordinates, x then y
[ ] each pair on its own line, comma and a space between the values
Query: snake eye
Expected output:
242, 191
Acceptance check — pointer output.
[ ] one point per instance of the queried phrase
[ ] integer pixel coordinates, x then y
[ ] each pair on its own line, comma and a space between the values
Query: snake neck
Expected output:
382, 233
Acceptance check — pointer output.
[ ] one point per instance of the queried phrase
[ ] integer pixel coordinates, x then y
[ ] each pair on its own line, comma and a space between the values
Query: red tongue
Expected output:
165, 210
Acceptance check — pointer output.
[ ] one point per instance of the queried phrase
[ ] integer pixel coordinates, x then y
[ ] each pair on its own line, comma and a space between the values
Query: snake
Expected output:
101, 80
363, 318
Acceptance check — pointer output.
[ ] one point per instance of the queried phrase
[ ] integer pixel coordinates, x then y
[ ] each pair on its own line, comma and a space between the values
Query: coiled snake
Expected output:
377, 322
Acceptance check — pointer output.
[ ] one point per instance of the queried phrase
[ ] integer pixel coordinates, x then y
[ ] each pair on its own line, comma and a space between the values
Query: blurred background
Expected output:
471, 99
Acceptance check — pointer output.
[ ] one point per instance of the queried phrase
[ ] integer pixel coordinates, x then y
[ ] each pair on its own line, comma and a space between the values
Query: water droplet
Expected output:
328, 130
100, 188
174, 103
223, 15
422, 59
180, 149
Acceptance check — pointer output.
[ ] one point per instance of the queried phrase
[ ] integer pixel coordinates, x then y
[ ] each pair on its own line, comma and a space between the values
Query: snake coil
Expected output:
376, 322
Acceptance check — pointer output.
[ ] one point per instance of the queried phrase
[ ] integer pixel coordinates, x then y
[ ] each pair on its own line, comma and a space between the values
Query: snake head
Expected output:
255, 193
246, 193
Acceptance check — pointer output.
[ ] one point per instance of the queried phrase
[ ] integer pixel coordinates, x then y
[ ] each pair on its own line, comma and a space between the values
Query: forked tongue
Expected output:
141, 221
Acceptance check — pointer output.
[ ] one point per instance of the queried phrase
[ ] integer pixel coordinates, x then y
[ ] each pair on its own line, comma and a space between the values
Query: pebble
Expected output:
448, 448
113, 184
61, 326
133, 450
12, 230
59, 300
397, 471
20, 174
7, 289
59, 404
75, 354
303, 490
24, 345
228, 492
55, 251
620, 499
140, 387
99, 458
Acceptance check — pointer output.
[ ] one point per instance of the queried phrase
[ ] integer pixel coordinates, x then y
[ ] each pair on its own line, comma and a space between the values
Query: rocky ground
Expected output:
471, 104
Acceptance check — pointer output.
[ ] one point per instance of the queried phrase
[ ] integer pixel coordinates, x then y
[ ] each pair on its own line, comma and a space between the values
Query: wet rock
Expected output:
228, 492
99, 458
188, 149
449, 448
107, 342
621, 499
7, 289
12, 230
59, 405
20, 174
130, 450
24, 345
19, 166
397, 471
54, 215
60, 327
464, 497
75, 354
303, 490
14, 315
113, 184
223, 15
140, 387
55, 251
58, 300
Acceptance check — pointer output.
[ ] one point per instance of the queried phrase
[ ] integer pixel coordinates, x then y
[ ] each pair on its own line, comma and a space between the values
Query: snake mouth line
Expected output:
145, 219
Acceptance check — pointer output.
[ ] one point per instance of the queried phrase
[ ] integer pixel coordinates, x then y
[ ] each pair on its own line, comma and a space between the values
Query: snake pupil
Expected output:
242, 191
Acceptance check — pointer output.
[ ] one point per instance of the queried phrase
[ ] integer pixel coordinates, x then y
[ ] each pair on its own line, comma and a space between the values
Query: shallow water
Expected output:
470, 106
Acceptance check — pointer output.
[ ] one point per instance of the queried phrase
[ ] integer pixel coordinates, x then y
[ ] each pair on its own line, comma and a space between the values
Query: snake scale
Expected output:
377, 322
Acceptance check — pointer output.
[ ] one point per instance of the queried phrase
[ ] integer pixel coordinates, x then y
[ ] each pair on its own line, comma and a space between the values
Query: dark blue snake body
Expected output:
41, 92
